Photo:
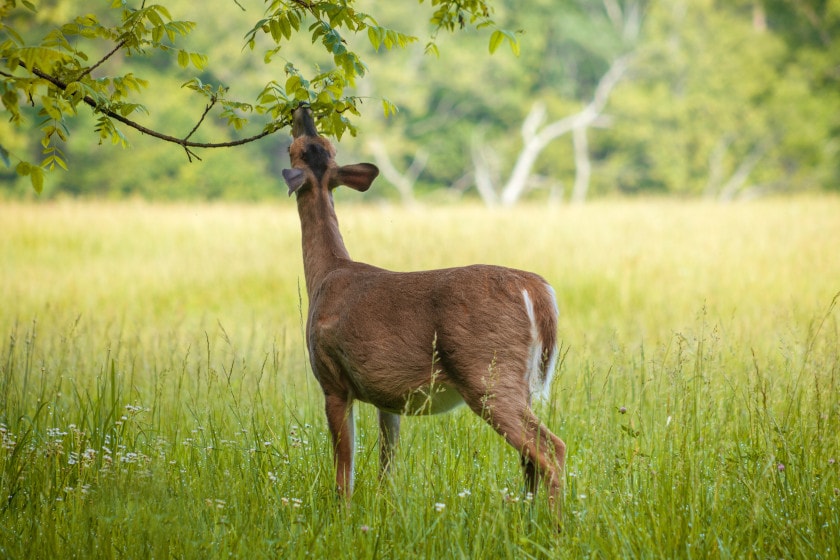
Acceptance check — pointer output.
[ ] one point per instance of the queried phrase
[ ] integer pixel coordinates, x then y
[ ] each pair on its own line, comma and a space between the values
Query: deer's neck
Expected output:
323, 247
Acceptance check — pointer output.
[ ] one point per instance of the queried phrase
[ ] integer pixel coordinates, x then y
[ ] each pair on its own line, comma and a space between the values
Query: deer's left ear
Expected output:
294, 179
358, 176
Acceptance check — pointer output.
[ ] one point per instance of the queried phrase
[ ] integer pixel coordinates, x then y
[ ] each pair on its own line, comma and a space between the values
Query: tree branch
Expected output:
183, 142
201, 120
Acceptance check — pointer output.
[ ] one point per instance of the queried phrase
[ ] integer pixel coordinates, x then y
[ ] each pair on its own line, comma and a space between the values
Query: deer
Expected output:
418, 342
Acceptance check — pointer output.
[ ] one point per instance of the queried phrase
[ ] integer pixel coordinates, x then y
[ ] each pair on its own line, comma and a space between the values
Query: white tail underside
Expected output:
539, 381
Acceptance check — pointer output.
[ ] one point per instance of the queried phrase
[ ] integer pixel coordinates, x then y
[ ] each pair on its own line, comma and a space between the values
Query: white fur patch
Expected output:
539, 381
548, 374
532, 373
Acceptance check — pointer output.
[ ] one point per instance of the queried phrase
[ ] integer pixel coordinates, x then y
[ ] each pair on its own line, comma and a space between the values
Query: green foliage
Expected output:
712, 105
728, 111
722, 99
59, 77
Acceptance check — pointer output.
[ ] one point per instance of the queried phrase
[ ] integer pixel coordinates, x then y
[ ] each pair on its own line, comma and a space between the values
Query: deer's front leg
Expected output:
389, 436
340, 419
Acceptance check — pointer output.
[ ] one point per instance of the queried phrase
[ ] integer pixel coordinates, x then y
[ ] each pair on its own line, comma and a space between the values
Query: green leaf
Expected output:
50, 108
294, 20
154, 18
292, 84
275, 29
324, 98
183, 58
75, 91
42, 57
10, 101
4, 156
13, 34
514, 43
37, 177
374, 38
389, 108
52, 160
198, 60
162, 9
496, 39
285, 27
193, 84
23, 168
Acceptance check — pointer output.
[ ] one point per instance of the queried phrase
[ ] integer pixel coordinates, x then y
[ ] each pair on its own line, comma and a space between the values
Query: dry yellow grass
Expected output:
639, 268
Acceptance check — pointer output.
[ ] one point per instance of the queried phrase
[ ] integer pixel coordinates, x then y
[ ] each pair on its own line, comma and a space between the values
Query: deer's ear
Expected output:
358, 176
294, 179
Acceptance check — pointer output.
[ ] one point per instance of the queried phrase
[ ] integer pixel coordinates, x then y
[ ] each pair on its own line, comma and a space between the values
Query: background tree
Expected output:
722, 99
722, 103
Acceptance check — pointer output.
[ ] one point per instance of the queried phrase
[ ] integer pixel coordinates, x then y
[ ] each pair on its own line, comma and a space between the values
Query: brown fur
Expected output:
416, 342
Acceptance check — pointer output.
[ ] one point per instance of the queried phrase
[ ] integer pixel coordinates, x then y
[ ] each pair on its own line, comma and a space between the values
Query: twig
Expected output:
201, 120
101, 61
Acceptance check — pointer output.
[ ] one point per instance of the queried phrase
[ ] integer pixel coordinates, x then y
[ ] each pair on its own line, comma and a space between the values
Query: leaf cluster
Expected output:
325, 91
56, 76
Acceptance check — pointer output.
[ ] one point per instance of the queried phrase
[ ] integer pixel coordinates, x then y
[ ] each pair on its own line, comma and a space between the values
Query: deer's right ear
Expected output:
294, 179
358, 176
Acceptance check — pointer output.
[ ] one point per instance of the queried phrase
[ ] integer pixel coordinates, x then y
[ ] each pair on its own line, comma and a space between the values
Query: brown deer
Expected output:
418, 342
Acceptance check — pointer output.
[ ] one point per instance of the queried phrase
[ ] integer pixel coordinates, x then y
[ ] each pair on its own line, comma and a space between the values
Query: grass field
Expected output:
157, 403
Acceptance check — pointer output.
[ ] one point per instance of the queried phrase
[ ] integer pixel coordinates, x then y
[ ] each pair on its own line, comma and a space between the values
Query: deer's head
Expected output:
313, 160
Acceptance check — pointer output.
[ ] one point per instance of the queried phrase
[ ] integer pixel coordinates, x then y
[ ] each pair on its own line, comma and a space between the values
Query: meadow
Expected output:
157, 401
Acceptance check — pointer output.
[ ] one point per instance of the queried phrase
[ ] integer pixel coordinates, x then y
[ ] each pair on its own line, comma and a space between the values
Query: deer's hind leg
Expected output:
542, 453
532, 478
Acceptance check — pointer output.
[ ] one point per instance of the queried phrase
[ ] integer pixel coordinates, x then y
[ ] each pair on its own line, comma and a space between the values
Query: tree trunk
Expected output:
535, 139
583, 168
403, 182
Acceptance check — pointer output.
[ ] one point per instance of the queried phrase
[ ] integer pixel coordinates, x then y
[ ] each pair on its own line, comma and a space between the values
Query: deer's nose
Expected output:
303, 124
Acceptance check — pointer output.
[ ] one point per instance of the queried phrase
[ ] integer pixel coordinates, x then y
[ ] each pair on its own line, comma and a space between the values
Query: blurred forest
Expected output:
722, 99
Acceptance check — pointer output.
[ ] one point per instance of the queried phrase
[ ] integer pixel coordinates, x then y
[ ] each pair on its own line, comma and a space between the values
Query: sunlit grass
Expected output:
156, 399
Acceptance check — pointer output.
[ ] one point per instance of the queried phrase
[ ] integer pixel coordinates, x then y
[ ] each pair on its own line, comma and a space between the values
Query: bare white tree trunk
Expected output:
739, 178
716, 165
536, 139
403, 182
626, 20
725, 188
583, 167
483, 173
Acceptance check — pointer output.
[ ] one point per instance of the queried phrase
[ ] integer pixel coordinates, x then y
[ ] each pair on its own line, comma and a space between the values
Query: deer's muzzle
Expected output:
302, 122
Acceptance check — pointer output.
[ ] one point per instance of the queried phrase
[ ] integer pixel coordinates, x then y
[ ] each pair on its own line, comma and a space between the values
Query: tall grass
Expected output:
156, 399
